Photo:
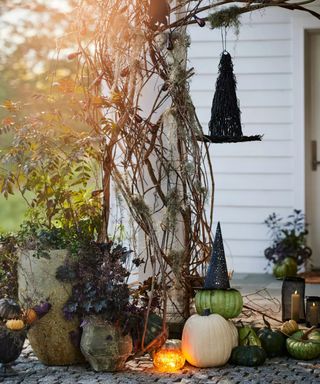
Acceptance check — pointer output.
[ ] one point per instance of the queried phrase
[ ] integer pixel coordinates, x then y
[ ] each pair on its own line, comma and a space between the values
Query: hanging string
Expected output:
224, 39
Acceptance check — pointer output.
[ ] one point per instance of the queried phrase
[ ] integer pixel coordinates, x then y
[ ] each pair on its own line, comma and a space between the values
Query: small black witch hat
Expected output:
217, 275
225, 123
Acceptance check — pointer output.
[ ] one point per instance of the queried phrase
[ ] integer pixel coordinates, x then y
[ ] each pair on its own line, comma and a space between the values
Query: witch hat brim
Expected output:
217, 275
228, 139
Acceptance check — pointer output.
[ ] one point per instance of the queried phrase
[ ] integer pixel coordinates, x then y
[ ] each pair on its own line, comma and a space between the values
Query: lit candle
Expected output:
295, 306
314, 314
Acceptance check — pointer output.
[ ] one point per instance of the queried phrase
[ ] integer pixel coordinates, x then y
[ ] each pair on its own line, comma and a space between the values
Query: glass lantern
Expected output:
293, 294
169, 357
313, 311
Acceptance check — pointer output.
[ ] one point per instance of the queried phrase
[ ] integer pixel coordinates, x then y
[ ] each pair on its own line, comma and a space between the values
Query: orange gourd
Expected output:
15, 325
30, 316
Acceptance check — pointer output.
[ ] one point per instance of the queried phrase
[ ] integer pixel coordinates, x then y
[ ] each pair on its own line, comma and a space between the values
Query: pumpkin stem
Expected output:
266, 322
307, 333
206, 312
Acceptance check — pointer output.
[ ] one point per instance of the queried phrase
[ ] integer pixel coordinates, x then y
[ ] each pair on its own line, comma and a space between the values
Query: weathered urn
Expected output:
11, 344
50, 336
104, 346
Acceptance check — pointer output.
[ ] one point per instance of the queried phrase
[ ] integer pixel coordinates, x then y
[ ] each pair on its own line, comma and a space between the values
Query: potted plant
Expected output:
41, 252
288, 250
30, 258
112, 313
54, 166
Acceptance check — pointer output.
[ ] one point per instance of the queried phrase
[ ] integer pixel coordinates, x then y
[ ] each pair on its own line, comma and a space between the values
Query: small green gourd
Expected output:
248, 356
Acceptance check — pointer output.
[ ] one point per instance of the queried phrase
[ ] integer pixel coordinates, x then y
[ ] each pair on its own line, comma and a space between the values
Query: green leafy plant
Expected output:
99, 278
288, 238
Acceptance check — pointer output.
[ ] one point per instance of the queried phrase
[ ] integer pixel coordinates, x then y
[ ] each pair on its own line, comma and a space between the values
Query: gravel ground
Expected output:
276, 371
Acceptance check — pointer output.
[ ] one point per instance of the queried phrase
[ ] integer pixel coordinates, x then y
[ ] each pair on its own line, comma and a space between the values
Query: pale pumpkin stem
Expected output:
307, 333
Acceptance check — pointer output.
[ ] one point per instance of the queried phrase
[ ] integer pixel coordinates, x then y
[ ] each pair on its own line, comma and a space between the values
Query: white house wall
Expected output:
252, 179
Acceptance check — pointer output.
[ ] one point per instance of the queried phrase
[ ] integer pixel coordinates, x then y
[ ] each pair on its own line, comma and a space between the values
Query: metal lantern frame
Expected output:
309, 303
291, 285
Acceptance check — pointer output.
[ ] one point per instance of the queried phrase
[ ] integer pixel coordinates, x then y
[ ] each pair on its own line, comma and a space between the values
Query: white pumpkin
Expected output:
207, 341
235, 334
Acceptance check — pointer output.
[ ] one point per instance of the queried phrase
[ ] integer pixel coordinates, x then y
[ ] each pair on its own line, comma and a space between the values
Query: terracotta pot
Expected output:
103, 345
50, 336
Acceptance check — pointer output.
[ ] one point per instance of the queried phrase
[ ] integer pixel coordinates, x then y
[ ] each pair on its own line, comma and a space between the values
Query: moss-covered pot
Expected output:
103, 345
50, 336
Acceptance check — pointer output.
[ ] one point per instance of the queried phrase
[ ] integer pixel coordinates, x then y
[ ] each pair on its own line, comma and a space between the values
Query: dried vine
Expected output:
149, 143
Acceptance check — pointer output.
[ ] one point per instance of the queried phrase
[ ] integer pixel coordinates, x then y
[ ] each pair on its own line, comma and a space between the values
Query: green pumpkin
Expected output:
248, 336
248, 356
273, 342
304, 349
286, 268
224, 302
314, 336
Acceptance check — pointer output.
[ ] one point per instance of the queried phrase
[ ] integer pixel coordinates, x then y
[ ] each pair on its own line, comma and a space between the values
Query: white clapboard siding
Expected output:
249, 32
253, 199
254, 114
247, 231
239, 264
254, 182
244, 65
253, 150
211, 49
246, 166
246, 81
251, 98
253, 179
271, 132
243, 215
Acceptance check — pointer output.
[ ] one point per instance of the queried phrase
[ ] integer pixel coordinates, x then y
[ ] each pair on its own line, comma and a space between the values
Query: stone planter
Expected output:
50, 336
103, 345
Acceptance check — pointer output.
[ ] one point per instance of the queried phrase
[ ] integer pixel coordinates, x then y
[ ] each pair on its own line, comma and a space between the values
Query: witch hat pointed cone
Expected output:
225, 122
217, 275
225, 111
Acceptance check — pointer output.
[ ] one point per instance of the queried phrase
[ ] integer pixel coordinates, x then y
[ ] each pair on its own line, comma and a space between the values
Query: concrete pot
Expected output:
103, 345
50, 336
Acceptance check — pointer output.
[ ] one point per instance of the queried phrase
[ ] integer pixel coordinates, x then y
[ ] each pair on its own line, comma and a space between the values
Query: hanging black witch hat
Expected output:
217, 275
225, 123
